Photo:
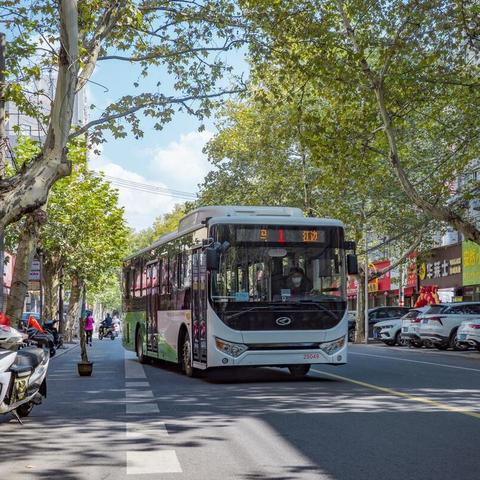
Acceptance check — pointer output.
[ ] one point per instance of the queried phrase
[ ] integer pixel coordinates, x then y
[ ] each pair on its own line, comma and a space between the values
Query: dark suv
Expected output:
377, 314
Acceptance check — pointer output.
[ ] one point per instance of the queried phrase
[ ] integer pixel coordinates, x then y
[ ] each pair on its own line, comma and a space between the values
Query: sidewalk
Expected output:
82, 421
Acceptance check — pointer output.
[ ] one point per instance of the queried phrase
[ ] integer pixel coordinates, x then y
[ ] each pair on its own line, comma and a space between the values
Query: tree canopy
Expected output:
85, 231
397, 79
185, 40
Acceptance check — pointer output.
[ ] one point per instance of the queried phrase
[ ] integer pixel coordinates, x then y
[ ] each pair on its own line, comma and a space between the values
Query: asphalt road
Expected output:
389, 414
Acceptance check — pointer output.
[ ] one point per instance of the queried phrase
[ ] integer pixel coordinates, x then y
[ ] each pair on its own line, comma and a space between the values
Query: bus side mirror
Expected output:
212, 258
352, 265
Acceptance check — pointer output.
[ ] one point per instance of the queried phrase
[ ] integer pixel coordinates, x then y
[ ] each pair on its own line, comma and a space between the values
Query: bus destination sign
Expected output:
280, 235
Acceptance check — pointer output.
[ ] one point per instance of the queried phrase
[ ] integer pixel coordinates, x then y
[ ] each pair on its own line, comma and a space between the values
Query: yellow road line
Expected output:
413, 398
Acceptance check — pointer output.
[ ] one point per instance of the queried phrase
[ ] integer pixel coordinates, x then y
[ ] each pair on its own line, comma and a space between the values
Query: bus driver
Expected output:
297, 282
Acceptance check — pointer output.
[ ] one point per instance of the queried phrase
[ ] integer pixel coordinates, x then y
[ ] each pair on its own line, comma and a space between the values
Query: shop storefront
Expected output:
442, 268
379, 288
471, 271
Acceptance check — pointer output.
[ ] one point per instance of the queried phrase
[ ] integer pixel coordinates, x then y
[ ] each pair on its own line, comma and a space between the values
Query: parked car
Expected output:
379, 314
440, 323
390, 331
411, 326
352, 316
469, 333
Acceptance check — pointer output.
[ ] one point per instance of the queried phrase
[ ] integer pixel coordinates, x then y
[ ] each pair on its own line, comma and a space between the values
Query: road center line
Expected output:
416, 361
413, 398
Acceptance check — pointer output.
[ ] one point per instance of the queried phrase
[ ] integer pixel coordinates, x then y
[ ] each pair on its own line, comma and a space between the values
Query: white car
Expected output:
469, 333
390, 331
440, 323
411, 326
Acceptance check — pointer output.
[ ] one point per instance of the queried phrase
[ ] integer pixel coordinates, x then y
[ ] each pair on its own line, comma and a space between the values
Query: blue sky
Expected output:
171, 157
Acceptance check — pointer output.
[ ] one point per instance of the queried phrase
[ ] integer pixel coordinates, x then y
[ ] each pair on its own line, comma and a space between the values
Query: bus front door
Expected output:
199, 309
151, 310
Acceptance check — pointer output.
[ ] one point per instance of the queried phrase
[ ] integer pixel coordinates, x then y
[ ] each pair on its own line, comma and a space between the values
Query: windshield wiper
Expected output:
251, 309
318, 305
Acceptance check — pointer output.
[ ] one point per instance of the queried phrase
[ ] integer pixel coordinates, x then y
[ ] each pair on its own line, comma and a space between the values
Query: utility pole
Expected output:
3, 140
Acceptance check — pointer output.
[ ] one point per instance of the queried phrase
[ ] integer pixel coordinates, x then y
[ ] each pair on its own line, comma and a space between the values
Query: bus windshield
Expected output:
281, 270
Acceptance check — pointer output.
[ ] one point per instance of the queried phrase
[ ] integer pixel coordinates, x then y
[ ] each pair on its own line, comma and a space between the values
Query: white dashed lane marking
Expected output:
136, 384
133, 395
151, 431
159, 461
134, 369
142, 408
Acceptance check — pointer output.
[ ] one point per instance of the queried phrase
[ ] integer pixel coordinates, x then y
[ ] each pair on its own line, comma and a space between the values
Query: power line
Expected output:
147, 188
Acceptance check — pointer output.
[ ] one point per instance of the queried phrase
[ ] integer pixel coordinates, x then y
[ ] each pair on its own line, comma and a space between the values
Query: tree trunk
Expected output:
25, 252
360, 320
28, 189
51, 284
442, 213
74, 305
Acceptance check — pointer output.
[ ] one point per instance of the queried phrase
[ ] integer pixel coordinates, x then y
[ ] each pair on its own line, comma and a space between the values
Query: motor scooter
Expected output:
23, 372
104, 332
49, 327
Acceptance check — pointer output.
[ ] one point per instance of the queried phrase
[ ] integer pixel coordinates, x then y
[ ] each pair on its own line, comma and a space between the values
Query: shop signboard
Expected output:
441, 267
35, 271
471, 263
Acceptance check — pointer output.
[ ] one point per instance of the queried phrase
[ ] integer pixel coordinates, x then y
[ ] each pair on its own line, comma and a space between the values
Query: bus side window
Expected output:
186, 273
138, 281
126, 283
131, 282
164, 287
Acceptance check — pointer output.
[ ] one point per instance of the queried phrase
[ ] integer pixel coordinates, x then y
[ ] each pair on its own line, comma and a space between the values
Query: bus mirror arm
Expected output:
213, 254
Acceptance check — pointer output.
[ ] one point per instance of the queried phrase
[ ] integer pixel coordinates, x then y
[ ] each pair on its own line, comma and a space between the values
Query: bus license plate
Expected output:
311, 356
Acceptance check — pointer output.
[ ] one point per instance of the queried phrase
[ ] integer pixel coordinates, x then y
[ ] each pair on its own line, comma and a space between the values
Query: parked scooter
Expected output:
23, 372
49, 327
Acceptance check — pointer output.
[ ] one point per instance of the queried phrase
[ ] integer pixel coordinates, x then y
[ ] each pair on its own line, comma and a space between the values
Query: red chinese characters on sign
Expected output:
411, 271
352, 286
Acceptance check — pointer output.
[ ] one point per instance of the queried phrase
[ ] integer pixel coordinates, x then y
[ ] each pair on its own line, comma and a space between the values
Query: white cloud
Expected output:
181, 164
141, 208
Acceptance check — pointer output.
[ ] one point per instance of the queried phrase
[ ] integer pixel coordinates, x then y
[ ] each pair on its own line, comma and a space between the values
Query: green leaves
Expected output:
86, 228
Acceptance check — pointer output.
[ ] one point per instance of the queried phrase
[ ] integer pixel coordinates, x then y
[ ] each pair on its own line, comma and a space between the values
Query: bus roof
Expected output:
240, 214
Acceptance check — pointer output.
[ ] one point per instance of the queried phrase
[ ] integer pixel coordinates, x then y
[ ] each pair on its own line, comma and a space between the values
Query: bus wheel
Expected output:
187, 366
139, 348
299, 371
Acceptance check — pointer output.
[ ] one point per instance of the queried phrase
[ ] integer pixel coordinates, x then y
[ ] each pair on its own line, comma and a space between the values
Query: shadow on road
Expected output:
256, 423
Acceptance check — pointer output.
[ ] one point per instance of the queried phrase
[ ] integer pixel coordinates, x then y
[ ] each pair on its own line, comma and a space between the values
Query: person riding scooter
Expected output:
106, 327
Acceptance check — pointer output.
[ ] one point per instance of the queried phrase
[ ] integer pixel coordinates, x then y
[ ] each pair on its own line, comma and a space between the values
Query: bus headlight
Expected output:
230, 348
331, 347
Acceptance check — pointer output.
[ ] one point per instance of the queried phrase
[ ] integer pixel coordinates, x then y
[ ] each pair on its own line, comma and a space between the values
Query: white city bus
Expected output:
241, 286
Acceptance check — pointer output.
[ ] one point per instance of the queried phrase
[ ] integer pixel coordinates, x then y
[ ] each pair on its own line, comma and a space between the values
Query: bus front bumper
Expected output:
334, 352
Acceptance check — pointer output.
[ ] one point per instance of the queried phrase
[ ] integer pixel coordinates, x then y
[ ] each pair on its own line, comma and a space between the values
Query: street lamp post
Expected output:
366, 286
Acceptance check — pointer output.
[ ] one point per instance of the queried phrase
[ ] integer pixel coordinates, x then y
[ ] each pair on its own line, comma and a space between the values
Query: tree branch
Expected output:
158, 102
155, 56
400, 260
438, 212
93, 47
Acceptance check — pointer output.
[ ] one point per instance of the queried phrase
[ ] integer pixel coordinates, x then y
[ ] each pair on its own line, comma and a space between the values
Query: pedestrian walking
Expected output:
89, 321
